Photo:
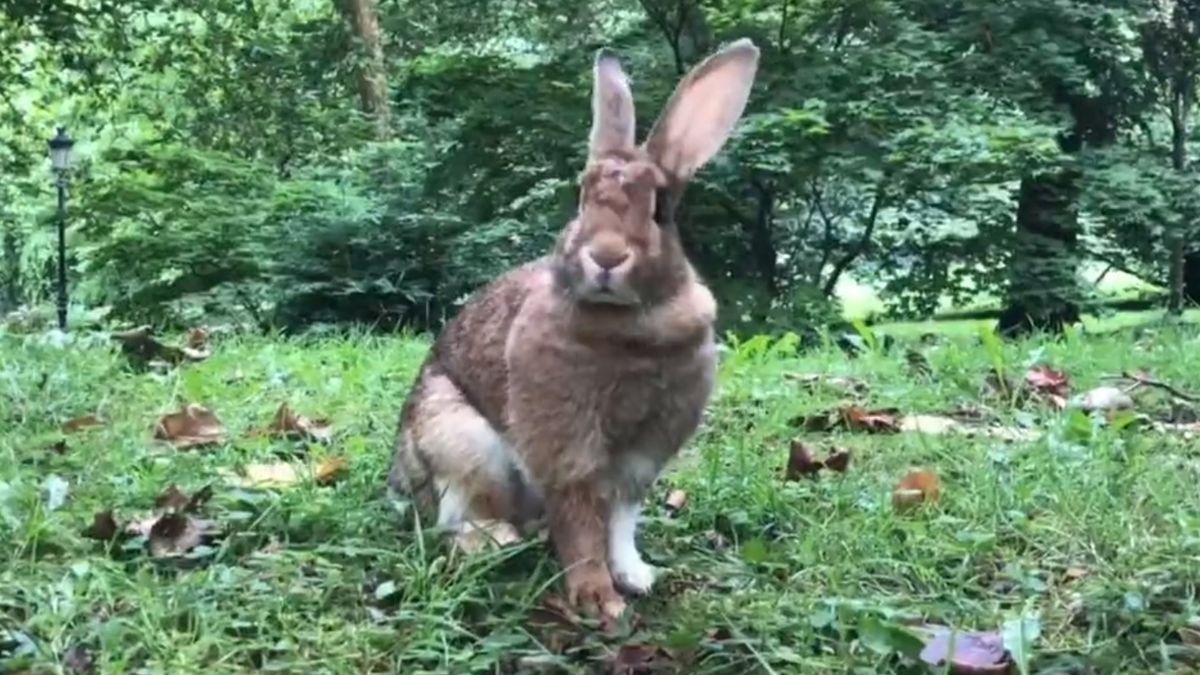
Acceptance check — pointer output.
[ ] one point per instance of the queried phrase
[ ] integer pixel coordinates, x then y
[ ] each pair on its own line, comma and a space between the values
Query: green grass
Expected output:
765, 575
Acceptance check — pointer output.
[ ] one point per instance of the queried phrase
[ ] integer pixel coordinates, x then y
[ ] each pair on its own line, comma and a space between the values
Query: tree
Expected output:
362, 16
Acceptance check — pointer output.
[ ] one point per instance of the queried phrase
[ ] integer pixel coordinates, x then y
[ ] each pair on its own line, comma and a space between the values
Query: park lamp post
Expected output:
60, 161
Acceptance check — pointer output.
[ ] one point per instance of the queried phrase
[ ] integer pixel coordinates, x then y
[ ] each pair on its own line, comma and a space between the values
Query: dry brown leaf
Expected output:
79, 661
175, 533
1074, 573
288, 424
935, 425
839, 461
82, 423
276, 474
1190, 636
641, 659
801, 462
139, 344
325, 471
1046, 380
916, 488
676, 500
815, 380
975, 653
174, 499
1105, 399
329, 469
197, 339
103, 528
860, 419
193, 426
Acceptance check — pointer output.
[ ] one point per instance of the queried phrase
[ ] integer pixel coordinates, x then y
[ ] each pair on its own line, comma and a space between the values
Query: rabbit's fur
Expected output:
561, 389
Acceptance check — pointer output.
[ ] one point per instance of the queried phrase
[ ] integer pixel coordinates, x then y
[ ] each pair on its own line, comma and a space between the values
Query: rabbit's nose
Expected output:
608, 257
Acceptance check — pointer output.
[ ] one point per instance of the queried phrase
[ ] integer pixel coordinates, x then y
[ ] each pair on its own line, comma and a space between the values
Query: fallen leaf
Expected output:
1046, 380
839, 461
918, 363
1104, 399
981, 653
174, 499
676, 500
556, 624
1190, 635
1074, 573
103, 528
140, 345
177, 533
82, 423
56, 492
814, 380
329, 470
801, 462
193, 426
929, 424
916, 488
859, 419
325, 471
197, 339
277, 474
78, 660
639, 659
288, 424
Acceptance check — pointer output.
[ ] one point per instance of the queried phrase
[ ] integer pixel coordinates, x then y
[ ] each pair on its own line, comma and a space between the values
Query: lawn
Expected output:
1085, 533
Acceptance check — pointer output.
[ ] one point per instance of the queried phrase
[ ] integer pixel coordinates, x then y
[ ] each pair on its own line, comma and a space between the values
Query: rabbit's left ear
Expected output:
701, 114
612, 108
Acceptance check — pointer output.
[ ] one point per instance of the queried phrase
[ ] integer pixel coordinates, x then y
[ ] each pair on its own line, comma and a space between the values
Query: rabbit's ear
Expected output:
612, 107
702, 112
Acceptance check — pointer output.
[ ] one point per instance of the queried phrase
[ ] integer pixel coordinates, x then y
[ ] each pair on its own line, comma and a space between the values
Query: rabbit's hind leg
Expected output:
459, 469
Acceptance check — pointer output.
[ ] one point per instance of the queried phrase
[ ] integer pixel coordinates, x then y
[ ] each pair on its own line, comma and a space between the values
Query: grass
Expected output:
1090, 534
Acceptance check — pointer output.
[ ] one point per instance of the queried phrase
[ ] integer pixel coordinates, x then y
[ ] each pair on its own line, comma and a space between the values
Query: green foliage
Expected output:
227, 171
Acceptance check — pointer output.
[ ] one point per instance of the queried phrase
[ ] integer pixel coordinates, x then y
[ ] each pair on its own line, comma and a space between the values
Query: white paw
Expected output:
633, 575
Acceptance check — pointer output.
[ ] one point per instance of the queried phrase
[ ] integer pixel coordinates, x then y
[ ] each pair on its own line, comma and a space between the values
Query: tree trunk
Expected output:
684, 26
12, 268
1176, 239
363, 18
1043, 293
762, 243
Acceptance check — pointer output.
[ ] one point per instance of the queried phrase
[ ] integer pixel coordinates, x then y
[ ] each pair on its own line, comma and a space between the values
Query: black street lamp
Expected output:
60, 160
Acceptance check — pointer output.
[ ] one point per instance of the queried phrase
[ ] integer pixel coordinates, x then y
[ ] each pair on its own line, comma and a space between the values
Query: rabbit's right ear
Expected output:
702, 112
612, 108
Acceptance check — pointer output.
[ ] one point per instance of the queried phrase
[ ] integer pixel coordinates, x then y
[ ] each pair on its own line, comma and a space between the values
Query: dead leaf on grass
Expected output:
78, 660
103, 528
324, 471
287, 424
82, 423
640, 659
839, 461
813, 381
172, 534
1104, 399
675, 502
174, 499
193, 426
801, 462
140, 345
916, 488
930, 424
859, 419
975, 653
1075, 573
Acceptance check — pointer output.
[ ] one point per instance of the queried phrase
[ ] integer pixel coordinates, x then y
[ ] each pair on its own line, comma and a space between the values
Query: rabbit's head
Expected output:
622, 248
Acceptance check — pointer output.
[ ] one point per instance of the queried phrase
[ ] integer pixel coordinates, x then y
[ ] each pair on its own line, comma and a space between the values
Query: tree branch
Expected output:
861, 247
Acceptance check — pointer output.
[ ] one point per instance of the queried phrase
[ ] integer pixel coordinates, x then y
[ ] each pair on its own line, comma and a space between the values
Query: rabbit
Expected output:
560, 390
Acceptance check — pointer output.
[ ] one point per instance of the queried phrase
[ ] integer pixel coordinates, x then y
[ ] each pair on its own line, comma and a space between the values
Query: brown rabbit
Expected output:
561, 389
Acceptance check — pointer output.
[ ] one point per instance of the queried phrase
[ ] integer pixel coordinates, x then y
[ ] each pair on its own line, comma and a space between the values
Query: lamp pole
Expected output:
60, 160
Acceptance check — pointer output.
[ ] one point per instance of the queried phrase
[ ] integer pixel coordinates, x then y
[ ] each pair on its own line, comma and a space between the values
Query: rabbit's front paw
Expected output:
632, 575
592, 590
